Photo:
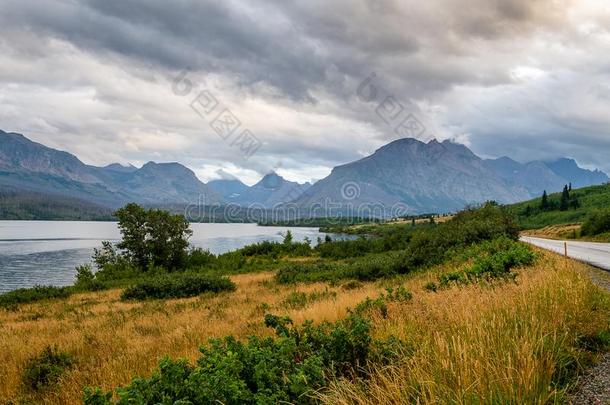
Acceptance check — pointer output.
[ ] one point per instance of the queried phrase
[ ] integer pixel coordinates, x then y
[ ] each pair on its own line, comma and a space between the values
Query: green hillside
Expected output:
25, 205
589, 199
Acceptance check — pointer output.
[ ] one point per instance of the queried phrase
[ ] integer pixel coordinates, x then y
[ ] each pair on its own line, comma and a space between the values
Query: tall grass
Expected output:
112, 340
519, 344
515, 342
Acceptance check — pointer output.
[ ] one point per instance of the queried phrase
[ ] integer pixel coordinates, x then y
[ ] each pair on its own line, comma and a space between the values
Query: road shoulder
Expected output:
594, 385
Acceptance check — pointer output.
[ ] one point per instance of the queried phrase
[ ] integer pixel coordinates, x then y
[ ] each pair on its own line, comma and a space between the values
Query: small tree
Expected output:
565, 199
132, 224
288, 238
153, 237
544, 204
167, 239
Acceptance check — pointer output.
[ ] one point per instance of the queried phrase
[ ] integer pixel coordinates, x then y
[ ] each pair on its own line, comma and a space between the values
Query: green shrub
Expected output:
277, 249
352, 285
287, 368
86, 280
299, 300
45, 370
199, 258
383, 239
425, 247
177, 286
431, 286
503, 255
310, 272
380, 304
597, 223
37, 293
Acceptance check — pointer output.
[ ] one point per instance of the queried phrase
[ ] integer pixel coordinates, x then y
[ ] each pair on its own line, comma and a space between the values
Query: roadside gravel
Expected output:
594, 387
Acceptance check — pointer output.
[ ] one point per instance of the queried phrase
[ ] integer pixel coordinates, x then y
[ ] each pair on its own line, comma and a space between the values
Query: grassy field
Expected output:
510, 342
451, 312
590, 199
113, 341
488, 345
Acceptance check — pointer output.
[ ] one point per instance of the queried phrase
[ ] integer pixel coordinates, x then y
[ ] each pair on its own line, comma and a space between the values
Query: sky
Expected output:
241, 88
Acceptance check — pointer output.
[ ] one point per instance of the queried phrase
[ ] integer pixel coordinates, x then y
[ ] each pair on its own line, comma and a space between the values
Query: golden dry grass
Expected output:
486, 345
562, 231
114, 341
468, 343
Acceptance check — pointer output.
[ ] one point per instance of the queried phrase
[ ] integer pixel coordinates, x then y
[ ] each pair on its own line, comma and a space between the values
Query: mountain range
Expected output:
420, 177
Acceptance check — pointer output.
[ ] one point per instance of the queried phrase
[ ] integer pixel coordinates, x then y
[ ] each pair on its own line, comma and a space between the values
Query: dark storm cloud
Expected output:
198, 35
507, 75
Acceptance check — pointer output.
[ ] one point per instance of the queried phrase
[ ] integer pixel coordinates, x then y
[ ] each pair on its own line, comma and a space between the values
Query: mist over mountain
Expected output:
415, 176
272, 190
228, 189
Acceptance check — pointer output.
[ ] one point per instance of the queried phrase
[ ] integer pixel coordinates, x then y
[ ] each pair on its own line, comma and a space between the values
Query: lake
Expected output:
47, 252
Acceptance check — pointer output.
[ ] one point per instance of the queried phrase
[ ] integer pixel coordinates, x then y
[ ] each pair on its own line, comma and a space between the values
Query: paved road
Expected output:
595, 254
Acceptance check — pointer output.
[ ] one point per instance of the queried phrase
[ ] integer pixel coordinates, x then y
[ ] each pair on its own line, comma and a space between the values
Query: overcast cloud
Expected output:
525, 78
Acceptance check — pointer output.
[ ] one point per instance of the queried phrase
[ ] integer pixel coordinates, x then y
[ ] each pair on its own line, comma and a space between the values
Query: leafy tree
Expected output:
152, 237
167, 239
132, 224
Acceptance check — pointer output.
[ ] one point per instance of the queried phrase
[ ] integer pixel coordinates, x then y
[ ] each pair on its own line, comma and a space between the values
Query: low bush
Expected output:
287, 368
45, 370
200, 258
86, 280
37, 293
300, 300
381, 239
277, 249
597, 223
176, 286
380, 304
310, 272
425, 247
503, 255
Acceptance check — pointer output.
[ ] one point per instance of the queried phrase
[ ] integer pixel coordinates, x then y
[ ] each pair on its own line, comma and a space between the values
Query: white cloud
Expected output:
518, 78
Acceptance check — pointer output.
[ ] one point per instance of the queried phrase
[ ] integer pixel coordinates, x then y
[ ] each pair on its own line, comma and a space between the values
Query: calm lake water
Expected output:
47, 252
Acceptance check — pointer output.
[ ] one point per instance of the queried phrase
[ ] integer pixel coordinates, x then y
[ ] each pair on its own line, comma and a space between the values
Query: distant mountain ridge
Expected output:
33, 167
568, 169
272, 190
437, 176
419, 177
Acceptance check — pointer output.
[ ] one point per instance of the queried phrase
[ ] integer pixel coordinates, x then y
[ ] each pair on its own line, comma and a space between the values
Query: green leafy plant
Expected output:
299, 300
86, 280
503, 255
45, 370
176, 286
597, 223
37, 293
287, 368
